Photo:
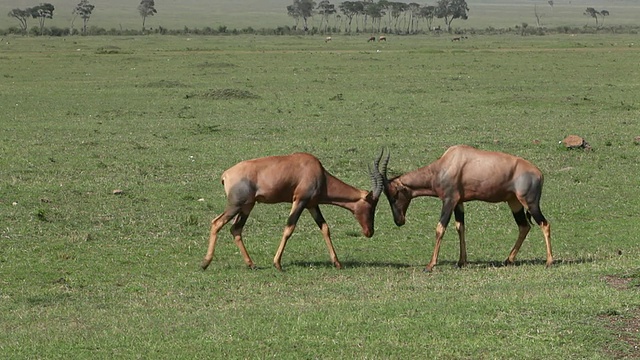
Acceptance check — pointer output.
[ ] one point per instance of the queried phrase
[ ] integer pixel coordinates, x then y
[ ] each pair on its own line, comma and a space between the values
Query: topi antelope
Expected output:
372, 38
462, 174
382, 38
299, 179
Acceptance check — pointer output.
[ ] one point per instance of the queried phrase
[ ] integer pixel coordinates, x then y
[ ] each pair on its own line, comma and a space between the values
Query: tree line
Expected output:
83, 9
348, 16
380, 16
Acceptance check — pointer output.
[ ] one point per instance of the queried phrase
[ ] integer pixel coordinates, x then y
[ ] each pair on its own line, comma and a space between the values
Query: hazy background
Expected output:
176, 14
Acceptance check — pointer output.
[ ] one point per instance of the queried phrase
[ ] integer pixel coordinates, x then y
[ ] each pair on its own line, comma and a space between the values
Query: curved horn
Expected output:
378, 178
385, 163
376, 181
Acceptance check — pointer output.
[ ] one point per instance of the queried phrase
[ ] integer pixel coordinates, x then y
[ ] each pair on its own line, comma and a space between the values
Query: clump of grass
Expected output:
110, 49
225, 94
205, 128
217, 65
165, 84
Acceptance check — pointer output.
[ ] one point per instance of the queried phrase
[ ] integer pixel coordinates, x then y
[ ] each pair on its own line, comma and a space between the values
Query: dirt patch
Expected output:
625, 326
617, 282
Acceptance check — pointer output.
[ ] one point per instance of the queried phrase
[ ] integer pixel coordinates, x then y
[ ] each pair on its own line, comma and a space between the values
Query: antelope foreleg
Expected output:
445, 216
324, 227
296, 210
440, 229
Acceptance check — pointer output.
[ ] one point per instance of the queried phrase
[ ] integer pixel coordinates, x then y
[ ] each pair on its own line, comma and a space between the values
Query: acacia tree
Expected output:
146, 8
376, 11
414, 9
348, 8
427, 13
593, 13
302, 9
603, 13
21, 16
42, 12
450, 10
84, 10
325, 10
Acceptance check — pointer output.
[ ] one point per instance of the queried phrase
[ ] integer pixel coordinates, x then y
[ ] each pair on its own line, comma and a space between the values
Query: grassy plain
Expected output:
85, 273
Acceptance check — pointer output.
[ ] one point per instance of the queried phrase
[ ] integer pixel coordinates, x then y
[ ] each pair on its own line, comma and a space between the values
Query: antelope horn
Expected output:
382, 170
378, 180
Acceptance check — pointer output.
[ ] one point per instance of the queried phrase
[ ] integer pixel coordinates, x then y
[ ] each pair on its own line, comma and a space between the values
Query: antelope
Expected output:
463, 174
382, 38
372, 38
327, 39
299, 179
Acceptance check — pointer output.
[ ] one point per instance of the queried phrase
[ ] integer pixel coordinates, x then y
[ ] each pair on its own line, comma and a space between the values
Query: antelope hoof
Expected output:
205, 264
549, 263
337, 265
277, 266
508, 262
428, 269
253, 266
462, 264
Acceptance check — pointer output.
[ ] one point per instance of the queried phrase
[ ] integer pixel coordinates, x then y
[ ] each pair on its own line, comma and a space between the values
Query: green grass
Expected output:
86, 273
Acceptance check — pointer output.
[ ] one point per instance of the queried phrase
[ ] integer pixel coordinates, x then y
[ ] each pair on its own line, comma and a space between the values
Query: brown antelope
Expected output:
327, 39
382, 38
372, 38
299, 179
462, 174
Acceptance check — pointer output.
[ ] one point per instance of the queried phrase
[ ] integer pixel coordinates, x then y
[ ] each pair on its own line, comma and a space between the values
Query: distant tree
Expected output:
427, 13
375, 11
146, 8
21, 16
84, 10
301, 9
603, 13
42, 12
395, 10
414, 9
325, 10
450, 10
349, 9
594, 14
538, 16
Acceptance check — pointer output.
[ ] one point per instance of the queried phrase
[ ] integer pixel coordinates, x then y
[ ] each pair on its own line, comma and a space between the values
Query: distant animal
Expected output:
327, 39
462, 174
372, 38
300, 179
382, 38
455, 39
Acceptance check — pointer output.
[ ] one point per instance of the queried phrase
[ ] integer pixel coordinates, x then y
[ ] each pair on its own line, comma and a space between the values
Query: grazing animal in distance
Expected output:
327, 39
382, 38
455, 39
300, 179
372, 38
462, 174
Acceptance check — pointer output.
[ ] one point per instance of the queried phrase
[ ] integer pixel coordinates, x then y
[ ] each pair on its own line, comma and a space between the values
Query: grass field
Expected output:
86, 273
